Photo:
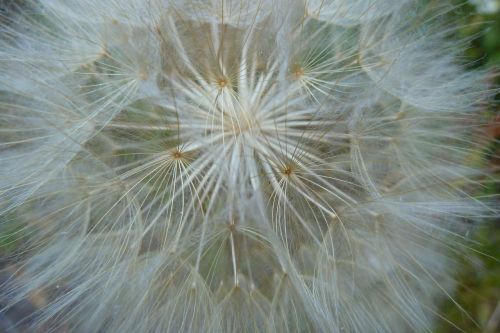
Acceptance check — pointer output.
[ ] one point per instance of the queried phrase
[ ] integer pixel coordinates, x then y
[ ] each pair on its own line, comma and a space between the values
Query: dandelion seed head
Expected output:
235, 166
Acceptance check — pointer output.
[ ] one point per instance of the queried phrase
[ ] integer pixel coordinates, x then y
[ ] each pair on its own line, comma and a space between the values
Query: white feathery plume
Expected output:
237, 166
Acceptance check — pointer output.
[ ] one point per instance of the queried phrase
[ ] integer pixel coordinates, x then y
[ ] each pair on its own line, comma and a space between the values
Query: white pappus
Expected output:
237, 166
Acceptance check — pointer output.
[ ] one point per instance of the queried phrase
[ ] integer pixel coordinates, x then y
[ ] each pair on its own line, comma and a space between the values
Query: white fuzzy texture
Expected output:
237, 166
486, 6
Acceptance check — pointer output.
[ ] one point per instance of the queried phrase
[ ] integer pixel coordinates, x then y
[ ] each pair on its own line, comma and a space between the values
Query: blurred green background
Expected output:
478, 291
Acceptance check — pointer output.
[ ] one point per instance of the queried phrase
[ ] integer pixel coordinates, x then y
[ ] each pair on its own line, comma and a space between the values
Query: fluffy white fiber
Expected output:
236, 166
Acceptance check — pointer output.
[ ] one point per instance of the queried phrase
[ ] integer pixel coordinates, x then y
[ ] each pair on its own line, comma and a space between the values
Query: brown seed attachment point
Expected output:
287, 170
232, 227
177, 154
222, 82
298, 71
143, 75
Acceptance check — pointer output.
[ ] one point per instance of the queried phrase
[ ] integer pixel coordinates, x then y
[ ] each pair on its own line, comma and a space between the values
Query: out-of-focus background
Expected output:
478, 290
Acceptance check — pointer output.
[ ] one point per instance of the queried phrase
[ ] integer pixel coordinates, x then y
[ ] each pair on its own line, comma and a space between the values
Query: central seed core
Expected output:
222, 82
177, 155
287, 170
